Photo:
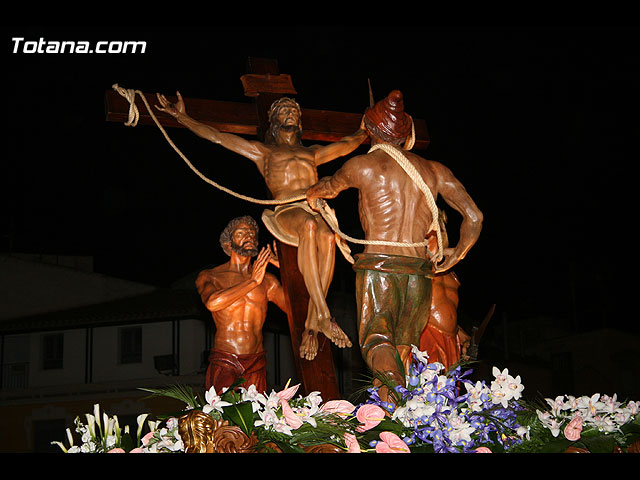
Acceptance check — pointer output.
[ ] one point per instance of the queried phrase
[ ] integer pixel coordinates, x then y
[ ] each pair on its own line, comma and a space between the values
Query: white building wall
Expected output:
73, 363
156, 340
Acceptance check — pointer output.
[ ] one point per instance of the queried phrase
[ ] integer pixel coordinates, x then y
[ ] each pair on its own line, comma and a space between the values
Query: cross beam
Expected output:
242, 119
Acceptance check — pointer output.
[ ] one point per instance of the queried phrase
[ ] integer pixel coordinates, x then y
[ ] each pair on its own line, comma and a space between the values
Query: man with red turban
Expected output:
397, 192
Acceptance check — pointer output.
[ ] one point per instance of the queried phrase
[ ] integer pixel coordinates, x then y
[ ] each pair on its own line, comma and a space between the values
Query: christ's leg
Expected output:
316, 257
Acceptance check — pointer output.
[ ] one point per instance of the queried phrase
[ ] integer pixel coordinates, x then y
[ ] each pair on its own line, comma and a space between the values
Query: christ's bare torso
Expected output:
289, 170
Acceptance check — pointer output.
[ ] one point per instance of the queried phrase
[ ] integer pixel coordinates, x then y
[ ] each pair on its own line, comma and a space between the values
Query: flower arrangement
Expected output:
436, 411
597, 423
102, 434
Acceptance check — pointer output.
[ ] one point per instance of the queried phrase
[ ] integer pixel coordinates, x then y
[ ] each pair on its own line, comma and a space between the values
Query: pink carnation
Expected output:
116, 450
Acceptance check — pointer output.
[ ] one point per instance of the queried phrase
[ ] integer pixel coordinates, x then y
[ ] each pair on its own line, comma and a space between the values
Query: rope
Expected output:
325, 211
132, 121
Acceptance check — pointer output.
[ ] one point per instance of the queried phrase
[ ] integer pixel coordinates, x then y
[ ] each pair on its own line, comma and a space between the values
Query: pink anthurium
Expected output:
391, 443
293, 420
369, 415
338, 406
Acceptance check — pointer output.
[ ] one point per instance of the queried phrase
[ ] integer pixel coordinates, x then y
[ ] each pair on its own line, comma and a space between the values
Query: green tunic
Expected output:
393, 295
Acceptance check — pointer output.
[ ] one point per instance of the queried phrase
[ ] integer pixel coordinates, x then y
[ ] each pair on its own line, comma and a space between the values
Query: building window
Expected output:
52, 351
130, 344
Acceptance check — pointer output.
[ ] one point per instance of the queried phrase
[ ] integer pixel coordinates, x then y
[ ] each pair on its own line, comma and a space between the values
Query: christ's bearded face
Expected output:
288, 117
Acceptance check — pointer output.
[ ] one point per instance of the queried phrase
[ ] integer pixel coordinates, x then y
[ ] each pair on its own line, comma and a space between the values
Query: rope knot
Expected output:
130, 96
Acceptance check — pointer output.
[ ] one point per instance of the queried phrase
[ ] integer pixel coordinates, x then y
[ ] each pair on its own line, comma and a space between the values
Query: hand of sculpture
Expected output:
449, 259
273, 260
260, 265
316, 193
173, 109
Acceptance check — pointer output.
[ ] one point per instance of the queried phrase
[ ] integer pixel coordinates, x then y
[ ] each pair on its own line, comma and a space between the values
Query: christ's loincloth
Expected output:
226, 367
393, 295
270, 219
441, 346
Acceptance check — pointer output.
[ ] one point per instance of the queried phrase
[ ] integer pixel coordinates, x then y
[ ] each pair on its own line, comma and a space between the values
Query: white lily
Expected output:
96, 414
141, 418
91, 425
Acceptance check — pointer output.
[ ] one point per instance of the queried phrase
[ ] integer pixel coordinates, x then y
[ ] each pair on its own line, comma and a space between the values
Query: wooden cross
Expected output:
265, 84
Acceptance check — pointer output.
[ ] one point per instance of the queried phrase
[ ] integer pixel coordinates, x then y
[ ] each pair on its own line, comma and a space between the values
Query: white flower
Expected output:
272, 401
633, 407
252, 395
589, 406
524, 432
214, 402
514, 385
422, 357
501, 377
477, 391
604, 424
461, 429
549, 421
499, 395
610, 404
172, 423
622, 416
314, 400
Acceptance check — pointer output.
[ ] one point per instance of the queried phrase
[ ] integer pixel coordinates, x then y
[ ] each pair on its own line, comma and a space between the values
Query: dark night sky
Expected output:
537, 123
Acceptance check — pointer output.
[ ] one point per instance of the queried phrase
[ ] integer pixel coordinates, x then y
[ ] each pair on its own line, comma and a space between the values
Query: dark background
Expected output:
538, 123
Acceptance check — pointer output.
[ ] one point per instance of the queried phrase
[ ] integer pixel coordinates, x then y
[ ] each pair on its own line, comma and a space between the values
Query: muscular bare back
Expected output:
392, 208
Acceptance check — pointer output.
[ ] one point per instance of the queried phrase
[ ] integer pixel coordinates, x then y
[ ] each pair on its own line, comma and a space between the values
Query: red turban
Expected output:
388, 120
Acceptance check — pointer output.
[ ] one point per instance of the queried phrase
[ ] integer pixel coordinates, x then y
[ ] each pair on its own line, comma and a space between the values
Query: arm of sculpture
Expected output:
456, 196
217, 298
275, 292
330, 187
342, 147
252, 150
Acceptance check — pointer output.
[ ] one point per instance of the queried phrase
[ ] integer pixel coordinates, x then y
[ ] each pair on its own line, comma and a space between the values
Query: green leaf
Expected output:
599, 444
178, 392
555, 446
126, 443
241, 415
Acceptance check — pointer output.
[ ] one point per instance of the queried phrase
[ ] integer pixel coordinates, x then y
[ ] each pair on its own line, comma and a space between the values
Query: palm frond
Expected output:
184, 393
